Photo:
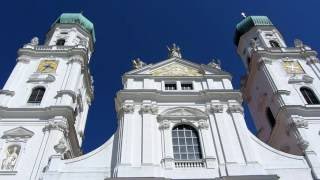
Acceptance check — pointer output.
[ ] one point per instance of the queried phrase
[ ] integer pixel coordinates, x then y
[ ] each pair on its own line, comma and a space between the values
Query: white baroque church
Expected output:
176, 119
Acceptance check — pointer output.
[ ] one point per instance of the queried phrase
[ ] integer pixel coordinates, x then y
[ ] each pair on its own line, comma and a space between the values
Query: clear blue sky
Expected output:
129, 29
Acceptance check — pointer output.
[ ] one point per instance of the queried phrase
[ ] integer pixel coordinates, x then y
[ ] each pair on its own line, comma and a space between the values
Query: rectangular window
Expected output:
170, 86
186, 86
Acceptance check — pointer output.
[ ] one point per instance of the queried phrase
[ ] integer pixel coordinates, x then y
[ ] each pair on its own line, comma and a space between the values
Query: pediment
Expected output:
19, 132
183, 112
176, 69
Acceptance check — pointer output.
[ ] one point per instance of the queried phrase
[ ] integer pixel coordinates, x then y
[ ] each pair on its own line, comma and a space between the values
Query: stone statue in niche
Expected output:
10, 160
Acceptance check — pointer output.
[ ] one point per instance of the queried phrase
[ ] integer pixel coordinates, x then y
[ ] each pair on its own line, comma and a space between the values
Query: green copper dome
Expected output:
77, 18
248, 23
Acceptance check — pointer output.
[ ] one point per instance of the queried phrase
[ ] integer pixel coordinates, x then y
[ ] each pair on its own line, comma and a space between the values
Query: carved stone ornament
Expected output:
165, 124
70, 93
312, 60
12, 154
297, 78
128, 108
7, 92
176, 69
34, 41
56, 125
181, 113
216, 108
61, 147
137, 63
17, 133
235, 108
303, 144
203, 124
174, 51
300, 123
149, 108
37, 77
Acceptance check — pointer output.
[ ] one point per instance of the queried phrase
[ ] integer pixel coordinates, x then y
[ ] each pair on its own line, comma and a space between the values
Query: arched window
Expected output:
271, 119
60, 42
309, 95
36, 95
186, 144
274, 44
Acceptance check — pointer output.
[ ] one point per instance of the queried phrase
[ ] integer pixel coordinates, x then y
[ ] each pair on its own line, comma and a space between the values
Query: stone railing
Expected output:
189, 164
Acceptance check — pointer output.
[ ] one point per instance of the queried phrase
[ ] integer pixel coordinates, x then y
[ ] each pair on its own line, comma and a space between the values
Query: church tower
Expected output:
282, 88
45, 101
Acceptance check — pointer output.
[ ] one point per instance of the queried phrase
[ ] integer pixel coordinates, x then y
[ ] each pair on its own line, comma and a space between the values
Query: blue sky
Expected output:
129, 29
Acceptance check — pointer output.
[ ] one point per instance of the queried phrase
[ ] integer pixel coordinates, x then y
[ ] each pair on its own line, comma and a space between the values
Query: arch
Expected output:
309, 95
60, 42
186, 143
274, 44
36, 95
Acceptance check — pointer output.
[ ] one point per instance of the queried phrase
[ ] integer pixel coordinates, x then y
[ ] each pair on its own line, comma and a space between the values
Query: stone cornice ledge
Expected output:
7, 92
71, 93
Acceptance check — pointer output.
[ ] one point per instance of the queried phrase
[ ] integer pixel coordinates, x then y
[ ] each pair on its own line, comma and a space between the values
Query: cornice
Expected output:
7, 92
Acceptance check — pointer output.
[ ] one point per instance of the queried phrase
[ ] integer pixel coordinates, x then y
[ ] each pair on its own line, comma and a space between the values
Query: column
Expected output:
209, 152
127, 133
148, 111
166, 141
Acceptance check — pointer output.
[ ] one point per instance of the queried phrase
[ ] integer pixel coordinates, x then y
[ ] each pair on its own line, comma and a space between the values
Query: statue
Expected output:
215, 63
11, 158
137, 63
174, 51
34, 41
298, 43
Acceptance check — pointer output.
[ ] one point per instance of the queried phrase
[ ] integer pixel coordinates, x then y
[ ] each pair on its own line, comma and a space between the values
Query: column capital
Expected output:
148, 107
235, 108
215, 107
165, 124
203, 124
58, 123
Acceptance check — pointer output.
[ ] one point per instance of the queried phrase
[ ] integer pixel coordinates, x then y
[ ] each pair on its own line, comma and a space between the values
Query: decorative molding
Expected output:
303, 144
23, 59
183, 113
61, 147
71, 93
149, 107
7, 92
165, 124
312, 60
203, 124
295, 78
60, 125
176, 69
17, 133
216, 108
128, 108
235, 108
38, 77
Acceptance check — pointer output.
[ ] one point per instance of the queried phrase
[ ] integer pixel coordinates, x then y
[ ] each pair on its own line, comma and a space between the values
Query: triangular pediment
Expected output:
176, 69
183, 111
19, 132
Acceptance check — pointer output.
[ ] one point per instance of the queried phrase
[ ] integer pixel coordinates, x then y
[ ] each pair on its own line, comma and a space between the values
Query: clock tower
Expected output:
282, 88
44, 103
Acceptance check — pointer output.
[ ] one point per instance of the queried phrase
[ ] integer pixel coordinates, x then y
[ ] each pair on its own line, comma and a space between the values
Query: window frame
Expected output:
58, 42
309, 100
38, 102
170, 83
187, 83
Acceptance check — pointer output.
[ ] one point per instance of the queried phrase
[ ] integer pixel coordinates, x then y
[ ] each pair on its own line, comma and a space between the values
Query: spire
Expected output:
243, 14
174, 51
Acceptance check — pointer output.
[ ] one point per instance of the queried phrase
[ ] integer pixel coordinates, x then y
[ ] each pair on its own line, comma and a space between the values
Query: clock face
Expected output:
47, 66
292, 67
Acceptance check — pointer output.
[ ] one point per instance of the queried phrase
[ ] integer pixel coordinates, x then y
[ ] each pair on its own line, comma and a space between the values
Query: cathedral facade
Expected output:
176, 119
